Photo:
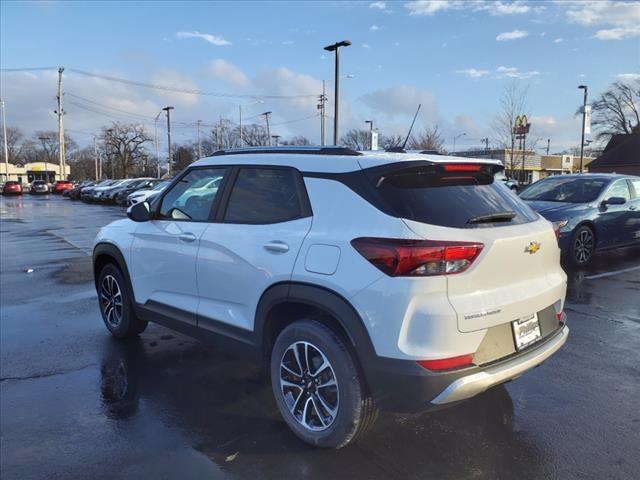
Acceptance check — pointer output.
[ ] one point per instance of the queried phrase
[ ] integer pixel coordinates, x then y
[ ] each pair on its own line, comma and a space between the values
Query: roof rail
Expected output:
292, 149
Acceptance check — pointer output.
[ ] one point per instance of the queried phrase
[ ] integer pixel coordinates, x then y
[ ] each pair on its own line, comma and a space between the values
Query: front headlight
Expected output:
560, 224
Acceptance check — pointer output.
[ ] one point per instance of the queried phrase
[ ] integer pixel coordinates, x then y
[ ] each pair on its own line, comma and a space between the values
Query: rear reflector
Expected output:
417, 258
461, 167
451, 363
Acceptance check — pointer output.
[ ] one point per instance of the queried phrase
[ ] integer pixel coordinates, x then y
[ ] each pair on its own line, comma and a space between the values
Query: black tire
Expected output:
355, 412
583, 245
116, 304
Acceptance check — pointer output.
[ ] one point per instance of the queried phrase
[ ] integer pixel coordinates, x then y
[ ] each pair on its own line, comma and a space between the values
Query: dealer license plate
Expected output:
526, 330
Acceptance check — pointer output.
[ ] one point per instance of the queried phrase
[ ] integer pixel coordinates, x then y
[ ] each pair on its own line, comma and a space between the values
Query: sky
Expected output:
453, 57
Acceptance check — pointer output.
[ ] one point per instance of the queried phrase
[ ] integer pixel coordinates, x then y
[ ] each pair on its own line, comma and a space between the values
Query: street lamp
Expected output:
584, 118
43, 139
370, 122
155, 122
456, 138
276, 138
240, 109
108, 152
336, 48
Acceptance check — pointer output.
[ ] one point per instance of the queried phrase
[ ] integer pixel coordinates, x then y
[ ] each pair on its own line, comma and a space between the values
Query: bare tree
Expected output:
44, 145
428, 139
617, 110
513, 102
184, 156
14, 144
356, 139
82, 164
390, 141
124, 146
296, 140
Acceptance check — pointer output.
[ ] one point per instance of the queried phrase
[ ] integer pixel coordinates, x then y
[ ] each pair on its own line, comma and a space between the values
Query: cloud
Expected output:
287, 42
378, 5
621, 18
374, 28
629, 77
212, 39
366, 45
402, 101
172, 77
618, 33
514, 72
473, 72
513, 35
228, 72
495, 8
558, 40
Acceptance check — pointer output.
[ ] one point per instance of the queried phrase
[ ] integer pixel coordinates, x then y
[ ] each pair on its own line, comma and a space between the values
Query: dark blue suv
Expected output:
592, 212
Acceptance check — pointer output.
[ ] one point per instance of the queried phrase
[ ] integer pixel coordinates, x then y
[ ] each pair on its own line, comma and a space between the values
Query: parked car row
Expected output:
124, 192
37, 187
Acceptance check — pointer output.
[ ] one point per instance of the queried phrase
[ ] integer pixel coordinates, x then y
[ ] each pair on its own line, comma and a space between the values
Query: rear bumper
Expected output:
470, 385
404, 386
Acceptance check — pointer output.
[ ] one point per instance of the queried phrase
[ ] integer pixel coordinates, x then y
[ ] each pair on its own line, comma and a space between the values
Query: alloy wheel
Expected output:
309, 386
583, 246
111, 300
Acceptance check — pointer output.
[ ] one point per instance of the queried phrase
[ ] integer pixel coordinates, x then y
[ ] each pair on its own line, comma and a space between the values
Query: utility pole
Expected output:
548, 145
6, 145
60, 112
155, 123
321, 107
110, 157
336, 110
266, 117
584, 118
95, 151
241, 140
168, 110
486, 144
199, 141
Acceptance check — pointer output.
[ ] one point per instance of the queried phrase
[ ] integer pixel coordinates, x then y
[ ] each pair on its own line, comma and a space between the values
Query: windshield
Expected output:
568, 189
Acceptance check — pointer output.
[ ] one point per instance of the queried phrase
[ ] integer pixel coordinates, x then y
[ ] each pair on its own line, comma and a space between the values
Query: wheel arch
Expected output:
591, 224
295, 300
105, 253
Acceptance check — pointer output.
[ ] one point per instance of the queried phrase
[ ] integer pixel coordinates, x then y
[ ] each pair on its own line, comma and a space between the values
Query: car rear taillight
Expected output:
451, 363
417, 258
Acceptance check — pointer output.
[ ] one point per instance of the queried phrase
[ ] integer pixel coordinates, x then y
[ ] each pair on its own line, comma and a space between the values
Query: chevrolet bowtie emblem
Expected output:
532, 248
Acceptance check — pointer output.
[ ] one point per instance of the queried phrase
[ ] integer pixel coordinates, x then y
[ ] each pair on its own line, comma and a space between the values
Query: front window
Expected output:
565, 189
619, 189
192, 197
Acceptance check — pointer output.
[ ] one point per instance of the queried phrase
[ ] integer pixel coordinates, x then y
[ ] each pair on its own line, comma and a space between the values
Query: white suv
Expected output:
365, 281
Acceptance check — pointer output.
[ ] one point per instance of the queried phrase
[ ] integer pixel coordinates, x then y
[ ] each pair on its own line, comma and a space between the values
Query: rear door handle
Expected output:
187, 237
276, 247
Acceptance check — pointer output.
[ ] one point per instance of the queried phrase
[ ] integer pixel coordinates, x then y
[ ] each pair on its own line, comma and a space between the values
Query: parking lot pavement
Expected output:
76, 404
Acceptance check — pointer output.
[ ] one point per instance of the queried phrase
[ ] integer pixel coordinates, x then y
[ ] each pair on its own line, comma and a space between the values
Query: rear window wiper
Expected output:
493, 217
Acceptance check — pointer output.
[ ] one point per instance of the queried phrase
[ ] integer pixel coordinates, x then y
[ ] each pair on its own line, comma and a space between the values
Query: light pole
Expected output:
456, 138
168, 110
6, 147
199, 141
266, 117
240, 111
43, 139
370, 122
336, 93
276, 138
584, 118
109, 156
155, 122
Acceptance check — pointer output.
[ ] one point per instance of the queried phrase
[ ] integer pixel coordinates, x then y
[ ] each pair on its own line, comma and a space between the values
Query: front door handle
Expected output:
187, 237
276, 247
633, 207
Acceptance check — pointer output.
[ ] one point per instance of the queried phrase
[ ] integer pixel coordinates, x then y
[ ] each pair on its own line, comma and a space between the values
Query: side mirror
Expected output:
139, 212
615, 201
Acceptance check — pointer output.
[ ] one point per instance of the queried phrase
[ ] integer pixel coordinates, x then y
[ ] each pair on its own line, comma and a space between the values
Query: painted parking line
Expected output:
608, 274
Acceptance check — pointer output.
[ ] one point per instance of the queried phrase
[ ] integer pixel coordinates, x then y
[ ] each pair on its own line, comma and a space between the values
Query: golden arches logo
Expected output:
521, 121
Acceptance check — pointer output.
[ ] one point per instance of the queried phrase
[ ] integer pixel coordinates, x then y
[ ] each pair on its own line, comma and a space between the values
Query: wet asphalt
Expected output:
75, 403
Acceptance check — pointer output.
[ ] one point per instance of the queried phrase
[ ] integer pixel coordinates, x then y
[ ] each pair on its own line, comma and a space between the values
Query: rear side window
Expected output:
453, 199
636, 186
264, 195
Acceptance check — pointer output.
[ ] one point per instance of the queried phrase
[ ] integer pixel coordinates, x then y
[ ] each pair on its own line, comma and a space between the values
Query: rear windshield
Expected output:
455, 199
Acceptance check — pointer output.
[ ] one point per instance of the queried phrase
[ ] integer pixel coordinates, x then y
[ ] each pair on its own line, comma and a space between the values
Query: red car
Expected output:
62, 185
12, 188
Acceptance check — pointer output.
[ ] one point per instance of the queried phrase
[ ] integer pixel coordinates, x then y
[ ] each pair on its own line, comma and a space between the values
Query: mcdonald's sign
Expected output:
521, 125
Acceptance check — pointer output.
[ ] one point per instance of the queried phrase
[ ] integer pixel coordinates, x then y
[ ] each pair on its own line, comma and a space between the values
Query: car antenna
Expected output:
411, 127
400, 149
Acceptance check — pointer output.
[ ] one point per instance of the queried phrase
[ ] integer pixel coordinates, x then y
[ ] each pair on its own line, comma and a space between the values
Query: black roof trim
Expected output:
290, 150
